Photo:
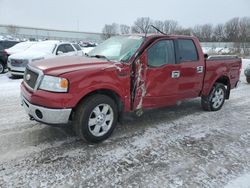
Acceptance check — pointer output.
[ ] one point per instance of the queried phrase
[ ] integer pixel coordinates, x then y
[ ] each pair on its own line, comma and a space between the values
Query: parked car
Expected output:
247, 74
125, 74
19, 47
4, 44
87, 47
41, 50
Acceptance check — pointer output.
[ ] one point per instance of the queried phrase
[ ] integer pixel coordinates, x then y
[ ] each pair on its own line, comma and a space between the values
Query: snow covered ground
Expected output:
181, 146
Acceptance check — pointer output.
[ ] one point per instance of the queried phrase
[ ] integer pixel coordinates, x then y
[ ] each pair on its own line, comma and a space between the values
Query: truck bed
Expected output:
228, 66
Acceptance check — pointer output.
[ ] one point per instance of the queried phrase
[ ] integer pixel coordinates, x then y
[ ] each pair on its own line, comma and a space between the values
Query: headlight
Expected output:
54, 84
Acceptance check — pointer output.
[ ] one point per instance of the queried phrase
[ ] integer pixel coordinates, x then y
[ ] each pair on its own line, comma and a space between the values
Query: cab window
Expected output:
69, 48
161, 53
187, 50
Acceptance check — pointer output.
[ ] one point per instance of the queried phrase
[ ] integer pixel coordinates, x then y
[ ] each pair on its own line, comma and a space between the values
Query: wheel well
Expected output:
1, 61
225, 81
113, 95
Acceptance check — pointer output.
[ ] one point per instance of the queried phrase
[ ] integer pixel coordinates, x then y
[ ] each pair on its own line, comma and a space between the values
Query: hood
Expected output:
61, 65
11, 51
28, 55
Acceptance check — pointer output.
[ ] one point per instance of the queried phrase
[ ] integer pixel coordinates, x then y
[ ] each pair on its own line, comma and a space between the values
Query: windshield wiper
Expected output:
100, 56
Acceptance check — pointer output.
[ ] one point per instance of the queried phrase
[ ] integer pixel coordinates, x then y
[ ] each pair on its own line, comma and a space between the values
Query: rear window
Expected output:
187, 50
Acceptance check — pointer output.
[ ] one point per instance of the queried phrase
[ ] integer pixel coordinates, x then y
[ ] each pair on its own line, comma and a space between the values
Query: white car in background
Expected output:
41, 50
19, 47
87, 47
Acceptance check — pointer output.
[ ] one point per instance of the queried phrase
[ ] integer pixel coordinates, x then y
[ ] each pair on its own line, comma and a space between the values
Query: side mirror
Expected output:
205, 56
59, 53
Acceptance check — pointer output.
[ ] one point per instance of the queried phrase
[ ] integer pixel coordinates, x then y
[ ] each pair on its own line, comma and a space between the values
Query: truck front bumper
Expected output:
46, 115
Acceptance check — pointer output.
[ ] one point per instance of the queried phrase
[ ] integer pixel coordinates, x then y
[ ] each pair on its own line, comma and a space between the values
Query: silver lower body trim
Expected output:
46, 115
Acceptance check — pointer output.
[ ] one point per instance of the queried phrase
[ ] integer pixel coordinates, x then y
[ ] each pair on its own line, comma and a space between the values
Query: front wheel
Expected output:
215, 100
248, 80
95, 118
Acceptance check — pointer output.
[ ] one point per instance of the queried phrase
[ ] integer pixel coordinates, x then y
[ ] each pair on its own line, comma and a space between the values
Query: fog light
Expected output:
39, 114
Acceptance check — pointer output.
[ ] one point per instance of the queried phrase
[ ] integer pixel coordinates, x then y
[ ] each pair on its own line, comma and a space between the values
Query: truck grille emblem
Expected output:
28, 77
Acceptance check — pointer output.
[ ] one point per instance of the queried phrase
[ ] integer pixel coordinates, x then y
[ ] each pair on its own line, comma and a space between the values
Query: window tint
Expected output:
187, 50
161, 53
61, 48
77, 47
69, 48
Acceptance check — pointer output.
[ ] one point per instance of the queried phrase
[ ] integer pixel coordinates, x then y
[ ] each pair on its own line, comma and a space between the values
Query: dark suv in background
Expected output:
247, 73
5, 44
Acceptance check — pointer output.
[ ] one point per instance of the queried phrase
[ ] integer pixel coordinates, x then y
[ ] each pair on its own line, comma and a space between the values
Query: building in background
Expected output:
29, 33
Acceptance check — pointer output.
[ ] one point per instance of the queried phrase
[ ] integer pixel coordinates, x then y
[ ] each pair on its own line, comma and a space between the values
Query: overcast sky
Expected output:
91, 15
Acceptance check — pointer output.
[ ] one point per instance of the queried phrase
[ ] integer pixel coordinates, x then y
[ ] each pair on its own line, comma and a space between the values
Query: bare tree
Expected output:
109, 30
235, 30
12, 29
141, 25
197, 31
203, 32
218, 33
159, 25
170, 26
244, 29
183, 31
232, 30
124, 29
207, 31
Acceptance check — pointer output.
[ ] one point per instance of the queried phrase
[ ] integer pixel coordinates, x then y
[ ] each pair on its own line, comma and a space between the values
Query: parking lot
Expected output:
181, 146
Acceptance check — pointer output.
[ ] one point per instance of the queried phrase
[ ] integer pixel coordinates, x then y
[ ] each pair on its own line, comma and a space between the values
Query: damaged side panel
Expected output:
139, 89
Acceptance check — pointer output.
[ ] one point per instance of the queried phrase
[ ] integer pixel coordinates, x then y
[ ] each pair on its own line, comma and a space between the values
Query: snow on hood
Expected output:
28, 55
14, 51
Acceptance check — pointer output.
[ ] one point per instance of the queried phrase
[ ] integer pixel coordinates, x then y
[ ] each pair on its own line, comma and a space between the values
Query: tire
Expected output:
215, 100
2, 68
95, 118
248, 80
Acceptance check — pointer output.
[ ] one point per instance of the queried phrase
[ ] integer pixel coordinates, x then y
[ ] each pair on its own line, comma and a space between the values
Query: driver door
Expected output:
158, 76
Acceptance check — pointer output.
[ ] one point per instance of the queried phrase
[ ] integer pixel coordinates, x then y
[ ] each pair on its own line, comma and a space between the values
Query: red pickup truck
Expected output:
125, 74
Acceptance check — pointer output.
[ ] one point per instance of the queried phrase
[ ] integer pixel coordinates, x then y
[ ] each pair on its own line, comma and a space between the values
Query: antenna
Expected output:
158, 30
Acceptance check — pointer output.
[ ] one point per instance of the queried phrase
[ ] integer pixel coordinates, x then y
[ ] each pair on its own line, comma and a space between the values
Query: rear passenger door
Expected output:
191, 69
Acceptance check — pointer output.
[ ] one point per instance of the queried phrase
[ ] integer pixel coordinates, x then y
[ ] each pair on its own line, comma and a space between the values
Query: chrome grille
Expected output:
30, 78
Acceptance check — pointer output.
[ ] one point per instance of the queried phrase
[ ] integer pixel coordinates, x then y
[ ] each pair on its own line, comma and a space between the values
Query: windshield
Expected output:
22, 45
119, 48
43, 47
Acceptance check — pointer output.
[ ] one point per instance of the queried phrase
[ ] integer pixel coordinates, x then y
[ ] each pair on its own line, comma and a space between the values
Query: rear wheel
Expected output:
1, 68
248, 80
215, 100
95, 118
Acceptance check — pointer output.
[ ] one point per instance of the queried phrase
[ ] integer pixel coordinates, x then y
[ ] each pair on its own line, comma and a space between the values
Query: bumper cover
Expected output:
46, 115
19, 71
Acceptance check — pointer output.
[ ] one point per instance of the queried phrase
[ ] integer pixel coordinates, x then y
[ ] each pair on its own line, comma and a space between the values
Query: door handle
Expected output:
175, 74
199, 69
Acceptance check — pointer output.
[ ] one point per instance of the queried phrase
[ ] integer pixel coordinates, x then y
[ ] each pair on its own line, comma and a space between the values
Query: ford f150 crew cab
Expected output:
125, 74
